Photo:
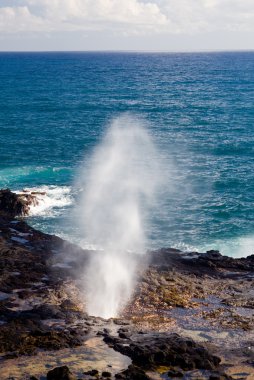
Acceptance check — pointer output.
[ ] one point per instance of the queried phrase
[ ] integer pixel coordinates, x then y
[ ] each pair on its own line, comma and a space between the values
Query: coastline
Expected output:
205, 298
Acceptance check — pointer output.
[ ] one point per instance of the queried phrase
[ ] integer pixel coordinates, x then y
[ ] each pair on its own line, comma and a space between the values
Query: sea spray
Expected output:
120, 188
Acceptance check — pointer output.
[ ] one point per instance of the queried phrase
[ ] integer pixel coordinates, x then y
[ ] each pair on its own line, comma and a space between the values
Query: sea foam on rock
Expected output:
12, 204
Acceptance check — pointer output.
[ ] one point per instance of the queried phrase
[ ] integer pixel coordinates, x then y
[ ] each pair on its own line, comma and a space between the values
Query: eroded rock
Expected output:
60, 373
151, 350
12, 204
132, 373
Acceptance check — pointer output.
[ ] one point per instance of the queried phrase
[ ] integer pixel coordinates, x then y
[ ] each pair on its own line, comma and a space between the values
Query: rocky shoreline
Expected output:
190, 317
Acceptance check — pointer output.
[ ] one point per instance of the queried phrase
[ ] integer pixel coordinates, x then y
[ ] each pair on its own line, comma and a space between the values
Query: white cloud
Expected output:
66, 15
18, 19
190, 16
127, 16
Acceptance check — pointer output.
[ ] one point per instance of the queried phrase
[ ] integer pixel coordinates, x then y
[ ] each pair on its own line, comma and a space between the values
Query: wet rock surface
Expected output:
190, 317
184, 281
12, 204
34, 299
151, 350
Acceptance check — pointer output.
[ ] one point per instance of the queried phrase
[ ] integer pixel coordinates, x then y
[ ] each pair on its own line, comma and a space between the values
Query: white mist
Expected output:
119, 191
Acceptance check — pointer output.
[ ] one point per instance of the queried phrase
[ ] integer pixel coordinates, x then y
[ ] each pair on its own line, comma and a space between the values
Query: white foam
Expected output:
50, 199
242, 246
185, 247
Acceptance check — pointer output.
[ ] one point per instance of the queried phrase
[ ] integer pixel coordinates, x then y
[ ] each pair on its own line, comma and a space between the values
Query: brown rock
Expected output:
12, 204
132, 373
60, 373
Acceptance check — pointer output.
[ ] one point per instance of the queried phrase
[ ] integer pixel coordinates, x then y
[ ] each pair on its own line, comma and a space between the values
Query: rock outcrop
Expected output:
13, 204
206, 296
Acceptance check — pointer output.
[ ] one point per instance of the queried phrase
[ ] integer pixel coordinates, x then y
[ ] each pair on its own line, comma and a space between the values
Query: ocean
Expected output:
198, 108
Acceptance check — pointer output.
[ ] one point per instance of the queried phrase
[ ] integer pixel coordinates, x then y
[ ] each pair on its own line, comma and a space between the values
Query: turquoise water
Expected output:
55, 108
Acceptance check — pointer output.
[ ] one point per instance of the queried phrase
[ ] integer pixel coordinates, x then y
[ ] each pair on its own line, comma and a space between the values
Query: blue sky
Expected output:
168, 25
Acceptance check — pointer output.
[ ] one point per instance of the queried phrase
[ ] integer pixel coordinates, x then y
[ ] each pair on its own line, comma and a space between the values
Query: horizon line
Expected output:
134, 51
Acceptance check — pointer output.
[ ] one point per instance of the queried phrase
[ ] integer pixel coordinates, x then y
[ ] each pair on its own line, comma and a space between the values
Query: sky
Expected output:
140, 25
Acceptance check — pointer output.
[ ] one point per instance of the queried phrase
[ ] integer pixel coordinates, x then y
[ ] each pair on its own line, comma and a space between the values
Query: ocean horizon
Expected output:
197, 107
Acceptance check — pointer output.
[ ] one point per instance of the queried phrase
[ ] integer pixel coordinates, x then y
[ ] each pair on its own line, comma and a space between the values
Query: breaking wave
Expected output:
51, 199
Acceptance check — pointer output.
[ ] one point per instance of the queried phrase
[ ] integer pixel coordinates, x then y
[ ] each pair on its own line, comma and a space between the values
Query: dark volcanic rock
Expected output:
25, 337
92, 372
46, 311
216, 260
12, 204
219, 376
198, 263
132, 373
151, 350
173, 373
106, 374
33, 292
60, 373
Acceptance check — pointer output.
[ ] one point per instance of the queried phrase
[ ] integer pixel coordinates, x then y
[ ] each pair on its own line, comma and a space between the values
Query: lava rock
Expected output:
47, 311
132, 373
106, 374
173, 373
60, 373
151, 350
26, 336
12, 204
92, 372
220, 376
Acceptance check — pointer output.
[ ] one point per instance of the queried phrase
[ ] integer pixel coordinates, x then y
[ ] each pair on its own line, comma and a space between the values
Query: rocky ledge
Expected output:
17, 204
190, 317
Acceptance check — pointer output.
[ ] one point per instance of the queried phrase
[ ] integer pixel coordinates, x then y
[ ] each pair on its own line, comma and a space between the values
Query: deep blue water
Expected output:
55, 107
